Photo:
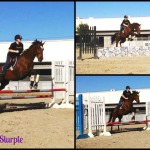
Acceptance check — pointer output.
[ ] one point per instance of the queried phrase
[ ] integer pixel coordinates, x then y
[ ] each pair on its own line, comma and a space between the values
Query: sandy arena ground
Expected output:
114, 65
129, 136
40, 128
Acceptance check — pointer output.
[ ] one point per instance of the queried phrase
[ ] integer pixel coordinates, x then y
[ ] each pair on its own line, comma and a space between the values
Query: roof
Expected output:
107, 24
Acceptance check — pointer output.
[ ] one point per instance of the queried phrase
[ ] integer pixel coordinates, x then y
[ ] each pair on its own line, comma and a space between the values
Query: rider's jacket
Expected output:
15, 46
126, 22
126, 94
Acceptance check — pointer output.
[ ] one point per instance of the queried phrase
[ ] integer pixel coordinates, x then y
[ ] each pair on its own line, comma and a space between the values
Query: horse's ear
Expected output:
36, 40
43, 43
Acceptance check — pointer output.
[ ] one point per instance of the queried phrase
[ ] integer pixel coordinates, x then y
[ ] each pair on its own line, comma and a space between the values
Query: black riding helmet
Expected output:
18, 37
125, 16
127, 87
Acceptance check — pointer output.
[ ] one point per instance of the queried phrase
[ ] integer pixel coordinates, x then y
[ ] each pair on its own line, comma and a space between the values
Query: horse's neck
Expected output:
30, 54
132, 27
131, 98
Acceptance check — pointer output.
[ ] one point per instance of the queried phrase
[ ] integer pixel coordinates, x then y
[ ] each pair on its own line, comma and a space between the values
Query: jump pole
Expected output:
23, 97
30, 91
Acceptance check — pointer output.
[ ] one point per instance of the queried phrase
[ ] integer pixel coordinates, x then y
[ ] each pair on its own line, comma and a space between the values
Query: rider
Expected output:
124, 23
124, 96
15, 50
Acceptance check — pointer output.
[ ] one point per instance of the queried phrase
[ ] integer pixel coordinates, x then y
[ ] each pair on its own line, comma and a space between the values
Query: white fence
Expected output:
94, 115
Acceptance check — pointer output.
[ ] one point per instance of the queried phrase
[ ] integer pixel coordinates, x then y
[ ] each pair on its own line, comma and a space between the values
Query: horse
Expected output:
126, 108
133, 30
24, 64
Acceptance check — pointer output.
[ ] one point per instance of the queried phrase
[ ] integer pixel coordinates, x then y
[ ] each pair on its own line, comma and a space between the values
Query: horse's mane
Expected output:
135, 23
33, 43
135, 92
36, 42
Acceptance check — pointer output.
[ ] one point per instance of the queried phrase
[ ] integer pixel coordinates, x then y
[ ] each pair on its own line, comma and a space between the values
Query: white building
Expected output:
109, 24
113, 97
57, 50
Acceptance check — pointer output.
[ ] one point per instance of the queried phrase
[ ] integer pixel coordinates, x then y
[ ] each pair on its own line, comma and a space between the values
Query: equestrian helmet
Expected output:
127, 87
18, 37
125, 16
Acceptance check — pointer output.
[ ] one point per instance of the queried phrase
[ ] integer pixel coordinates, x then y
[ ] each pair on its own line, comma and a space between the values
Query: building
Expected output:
106, 27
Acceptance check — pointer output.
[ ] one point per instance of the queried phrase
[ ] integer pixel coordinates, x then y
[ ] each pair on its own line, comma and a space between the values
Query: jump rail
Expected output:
30, 91
23, 97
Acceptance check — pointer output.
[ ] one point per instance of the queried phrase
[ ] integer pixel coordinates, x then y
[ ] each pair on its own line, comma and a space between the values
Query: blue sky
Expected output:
112, 9
106, 83
41, 20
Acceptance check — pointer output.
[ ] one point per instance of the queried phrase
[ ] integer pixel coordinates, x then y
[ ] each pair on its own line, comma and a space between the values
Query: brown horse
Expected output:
133, 30
24, 64
126, 108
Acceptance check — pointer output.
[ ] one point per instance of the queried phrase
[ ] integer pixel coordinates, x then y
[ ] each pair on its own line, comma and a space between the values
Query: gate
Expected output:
87, 41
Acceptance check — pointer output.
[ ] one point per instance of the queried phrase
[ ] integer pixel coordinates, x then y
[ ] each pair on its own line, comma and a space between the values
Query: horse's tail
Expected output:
113, 38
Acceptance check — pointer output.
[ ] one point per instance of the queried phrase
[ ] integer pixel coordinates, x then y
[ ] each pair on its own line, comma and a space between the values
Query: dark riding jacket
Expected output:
126, 94
126, 22
16, 47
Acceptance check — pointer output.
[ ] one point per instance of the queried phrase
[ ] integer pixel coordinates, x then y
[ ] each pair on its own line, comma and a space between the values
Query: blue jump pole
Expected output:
80, 118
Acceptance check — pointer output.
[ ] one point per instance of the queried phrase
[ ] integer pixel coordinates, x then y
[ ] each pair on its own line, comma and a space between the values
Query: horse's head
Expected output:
136, 96
137, 28
38, 45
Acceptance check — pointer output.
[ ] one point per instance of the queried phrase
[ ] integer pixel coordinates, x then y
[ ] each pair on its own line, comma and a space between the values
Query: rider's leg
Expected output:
120, 103
121, 28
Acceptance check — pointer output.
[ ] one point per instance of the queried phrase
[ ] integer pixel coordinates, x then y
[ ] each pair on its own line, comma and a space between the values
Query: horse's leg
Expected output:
117, 40
133, 113
31, 84
36, 85
133, 116
110, 117
3, 84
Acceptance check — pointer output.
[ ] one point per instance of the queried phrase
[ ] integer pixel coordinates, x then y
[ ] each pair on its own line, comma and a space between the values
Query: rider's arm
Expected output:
129, 22
125, 25
21, 50
13, 51
124, 96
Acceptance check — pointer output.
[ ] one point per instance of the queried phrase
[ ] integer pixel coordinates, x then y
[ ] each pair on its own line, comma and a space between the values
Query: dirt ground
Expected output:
113, 65
129, 136
39, 128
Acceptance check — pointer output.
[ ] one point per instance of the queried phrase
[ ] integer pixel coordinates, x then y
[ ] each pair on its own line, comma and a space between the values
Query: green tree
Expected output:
84, 27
